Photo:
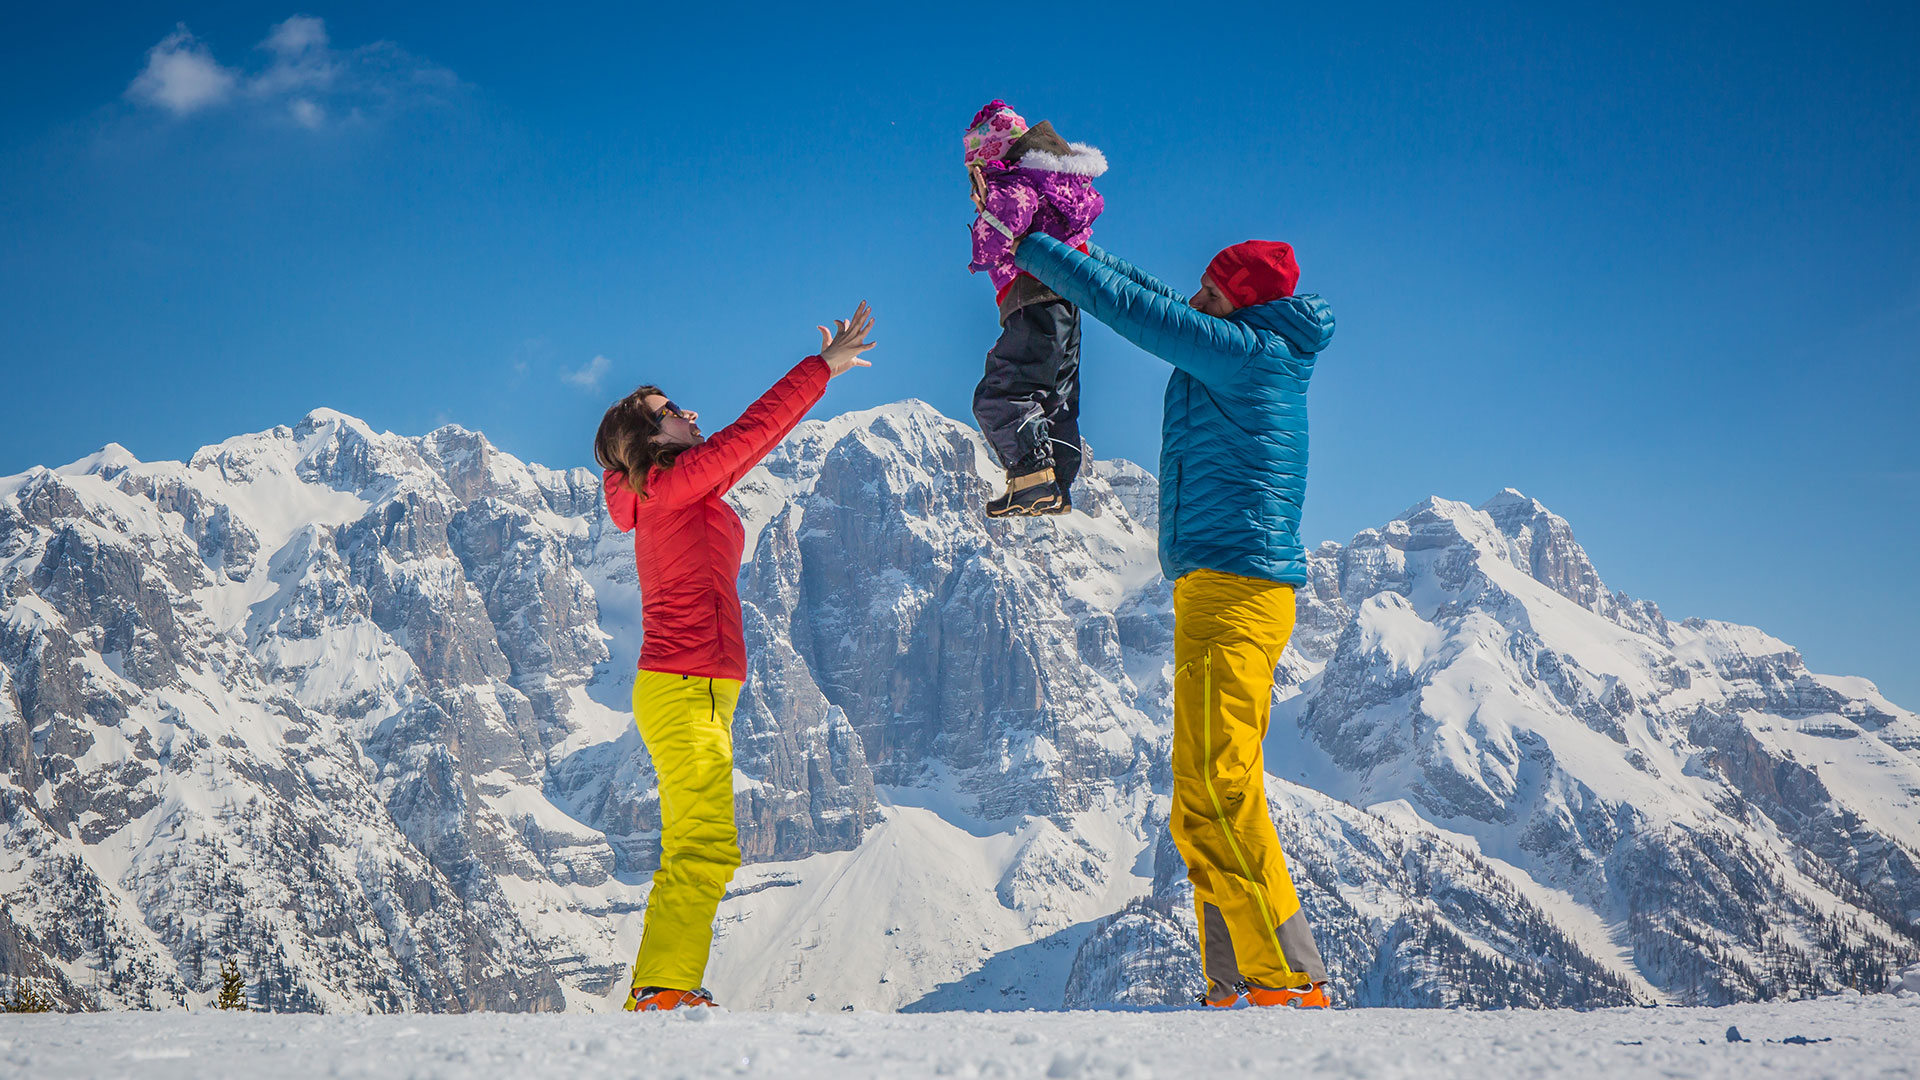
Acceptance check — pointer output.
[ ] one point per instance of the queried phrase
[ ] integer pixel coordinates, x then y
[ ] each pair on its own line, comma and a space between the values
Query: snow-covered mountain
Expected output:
1707, 819
351, 709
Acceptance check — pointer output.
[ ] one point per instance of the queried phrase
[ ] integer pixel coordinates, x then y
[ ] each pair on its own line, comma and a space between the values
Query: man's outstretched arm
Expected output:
1135, 274
1211, 350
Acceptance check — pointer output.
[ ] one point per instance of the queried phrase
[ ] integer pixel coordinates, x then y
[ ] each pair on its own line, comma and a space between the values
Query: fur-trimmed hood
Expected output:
1048, 189
1081, 159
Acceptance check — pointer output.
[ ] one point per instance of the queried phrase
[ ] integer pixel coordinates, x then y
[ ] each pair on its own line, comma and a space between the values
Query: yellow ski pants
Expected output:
687, 723
1228, 634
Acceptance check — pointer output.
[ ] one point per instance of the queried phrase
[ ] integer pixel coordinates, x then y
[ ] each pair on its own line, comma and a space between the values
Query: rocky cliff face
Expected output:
318, 700
352, 709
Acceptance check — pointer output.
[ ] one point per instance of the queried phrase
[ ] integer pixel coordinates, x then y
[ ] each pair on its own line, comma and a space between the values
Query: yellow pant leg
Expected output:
687, 724
1228, 635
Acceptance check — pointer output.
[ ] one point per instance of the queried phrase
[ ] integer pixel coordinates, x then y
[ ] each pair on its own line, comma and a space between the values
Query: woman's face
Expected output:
1211, 300
677, 425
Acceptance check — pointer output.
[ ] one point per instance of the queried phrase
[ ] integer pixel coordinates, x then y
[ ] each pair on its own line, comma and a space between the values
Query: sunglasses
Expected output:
670, 409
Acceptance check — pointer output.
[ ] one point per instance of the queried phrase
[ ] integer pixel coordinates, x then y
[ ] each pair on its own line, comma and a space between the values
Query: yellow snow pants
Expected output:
1228, 634
687, 723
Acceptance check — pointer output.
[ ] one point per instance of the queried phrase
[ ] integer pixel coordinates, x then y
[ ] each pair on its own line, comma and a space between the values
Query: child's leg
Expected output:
1063, 404
1011, 401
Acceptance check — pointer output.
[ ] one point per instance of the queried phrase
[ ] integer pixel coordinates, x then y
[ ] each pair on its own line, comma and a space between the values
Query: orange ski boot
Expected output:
660, 999
1220, 997
1299, 997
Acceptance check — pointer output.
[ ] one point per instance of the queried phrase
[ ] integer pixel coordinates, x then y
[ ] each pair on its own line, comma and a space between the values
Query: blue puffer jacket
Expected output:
1233, 443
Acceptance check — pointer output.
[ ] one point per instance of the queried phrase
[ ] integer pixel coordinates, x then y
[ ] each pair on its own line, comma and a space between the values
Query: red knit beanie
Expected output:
1254, 272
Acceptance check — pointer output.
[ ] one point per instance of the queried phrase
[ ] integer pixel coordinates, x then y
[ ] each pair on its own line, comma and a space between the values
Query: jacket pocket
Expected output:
1273, 518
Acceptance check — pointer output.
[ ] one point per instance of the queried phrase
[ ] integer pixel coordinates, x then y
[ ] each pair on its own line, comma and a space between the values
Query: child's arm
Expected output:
1135, 274
1211, 350
1006, 214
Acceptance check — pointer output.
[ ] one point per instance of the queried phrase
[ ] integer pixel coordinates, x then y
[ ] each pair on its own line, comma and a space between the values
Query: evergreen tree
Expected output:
233, 988
25, 999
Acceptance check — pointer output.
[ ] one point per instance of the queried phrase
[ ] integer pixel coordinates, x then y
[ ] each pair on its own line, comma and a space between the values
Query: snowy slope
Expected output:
1848, 1036
351, 709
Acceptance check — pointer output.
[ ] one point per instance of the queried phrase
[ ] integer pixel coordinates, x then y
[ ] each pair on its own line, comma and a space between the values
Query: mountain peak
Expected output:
451, 442
1509, 498
1435, 506
899, 417
1434, 523
323, 419
1543, 545
108, 462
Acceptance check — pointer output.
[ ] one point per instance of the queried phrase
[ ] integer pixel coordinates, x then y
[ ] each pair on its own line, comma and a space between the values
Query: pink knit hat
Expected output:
994, 128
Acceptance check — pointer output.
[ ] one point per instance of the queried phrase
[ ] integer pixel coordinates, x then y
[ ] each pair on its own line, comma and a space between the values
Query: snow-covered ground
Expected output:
1842, 1036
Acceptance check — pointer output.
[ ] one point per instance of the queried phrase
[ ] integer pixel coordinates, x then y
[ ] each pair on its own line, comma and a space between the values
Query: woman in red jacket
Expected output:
664, 481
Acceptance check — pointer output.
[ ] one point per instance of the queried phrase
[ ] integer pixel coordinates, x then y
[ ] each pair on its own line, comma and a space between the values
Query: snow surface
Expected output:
1846, 1036
926, 914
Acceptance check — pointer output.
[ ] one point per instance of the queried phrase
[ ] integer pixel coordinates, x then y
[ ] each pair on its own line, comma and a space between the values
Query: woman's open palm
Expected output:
841, 349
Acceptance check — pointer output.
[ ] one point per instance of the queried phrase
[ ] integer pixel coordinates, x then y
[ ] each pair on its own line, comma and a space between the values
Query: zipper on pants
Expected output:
1220, 810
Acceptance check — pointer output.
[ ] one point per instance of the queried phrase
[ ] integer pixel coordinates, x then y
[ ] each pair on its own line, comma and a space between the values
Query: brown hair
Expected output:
625, 440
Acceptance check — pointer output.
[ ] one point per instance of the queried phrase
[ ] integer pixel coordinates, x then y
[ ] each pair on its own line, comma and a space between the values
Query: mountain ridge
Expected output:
350, 708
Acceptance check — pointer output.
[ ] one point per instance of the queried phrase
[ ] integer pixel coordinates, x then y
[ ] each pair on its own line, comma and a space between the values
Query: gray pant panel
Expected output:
1296, 945
1222, 968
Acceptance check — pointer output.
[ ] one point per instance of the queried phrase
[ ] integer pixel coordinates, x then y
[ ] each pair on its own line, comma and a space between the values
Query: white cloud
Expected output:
297, 35
306, 113
302, 59
181, 76
304, 81
588, 377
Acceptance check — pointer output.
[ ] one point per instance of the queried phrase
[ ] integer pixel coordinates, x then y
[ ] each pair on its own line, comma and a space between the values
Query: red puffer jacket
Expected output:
687, 541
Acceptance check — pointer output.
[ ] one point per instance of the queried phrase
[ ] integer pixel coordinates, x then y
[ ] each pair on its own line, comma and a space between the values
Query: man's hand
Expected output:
842, 348
978, 181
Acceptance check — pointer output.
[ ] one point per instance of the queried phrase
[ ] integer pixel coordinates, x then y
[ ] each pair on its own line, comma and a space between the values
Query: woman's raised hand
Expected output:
842, 348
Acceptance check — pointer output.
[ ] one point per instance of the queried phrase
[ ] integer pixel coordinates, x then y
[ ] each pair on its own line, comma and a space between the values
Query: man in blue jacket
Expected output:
1233, 475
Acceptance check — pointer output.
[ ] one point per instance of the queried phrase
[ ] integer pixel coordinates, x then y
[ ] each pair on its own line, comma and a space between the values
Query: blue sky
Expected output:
1658, 267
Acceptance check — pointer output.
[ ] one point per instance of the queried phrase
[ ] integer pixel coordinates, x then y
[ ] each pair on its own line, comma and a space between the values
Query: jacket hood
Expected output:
1305, 320
622, 503
1080, 159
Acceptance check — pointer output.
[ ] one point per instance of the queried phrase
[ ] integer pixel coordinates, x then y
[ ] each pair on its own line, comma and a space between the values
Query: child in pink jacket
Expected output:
1029, 179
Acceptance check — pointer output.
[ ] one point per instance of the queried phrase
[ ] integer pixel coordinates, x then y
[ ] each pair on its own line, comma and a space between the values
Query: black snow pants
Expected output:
1028, 402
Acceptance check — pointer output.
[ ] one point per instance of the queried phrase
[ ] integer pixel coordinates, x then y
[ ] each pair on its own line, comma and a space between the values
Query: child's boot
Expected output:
1299, 997
1027, 495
